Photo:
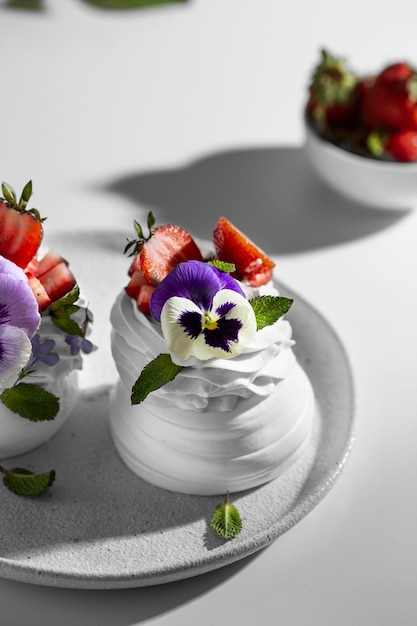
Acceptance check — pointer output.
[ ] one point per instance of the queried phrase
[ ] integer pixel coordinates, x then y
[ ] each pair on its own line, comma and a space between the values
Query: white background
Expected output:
195, 111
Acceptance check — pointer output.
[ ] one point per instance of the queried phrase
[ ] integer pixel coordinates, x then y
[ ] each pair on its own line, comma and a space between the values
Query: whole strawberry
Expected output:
21, 229
402, 146
389, 101
332, 92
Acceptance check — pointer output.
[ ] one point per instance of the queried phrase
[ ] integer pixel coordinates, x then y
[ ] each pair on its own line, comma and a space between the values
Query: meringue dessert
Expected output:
43, 326
210, 397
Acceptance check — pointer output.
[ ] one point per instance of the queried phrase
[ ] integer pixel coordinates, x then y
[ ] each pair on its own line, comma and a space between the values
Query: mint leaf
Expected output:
268, 309
154, 375
61, 310
22, 482
31, 402
226, 520
222, 266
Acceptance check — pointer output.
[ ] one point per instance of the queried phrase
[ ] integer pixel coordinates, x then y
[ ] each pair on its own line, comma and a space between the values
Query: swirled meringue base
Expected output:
209, 452
19, 435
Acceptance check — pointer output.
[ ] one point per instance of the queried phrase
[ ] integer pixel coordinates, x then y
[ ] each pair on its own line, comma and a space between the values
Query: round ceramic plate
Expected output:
101, 527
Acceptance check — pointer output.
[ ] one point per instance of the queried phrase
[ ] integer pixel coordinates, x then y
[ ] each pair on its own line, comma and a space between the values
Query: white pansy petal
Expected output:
15, 351
178, 340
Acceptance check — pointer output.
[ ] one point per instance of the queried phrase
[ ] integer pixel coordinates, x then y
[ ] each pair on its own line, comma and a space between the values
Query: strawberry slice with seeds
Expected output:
21, 230
232, 246
39, 292
168, 246
58, 280
155, 257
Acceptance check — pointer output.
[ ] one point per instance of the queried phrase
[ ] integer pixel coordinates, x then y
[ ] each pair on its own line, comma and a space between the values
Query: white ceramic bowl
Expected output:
380, 184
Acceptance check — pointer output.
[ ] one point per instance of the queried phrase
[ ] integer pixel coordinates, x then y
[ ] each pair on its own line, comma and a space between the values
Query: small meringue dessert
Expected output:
210, 397
44, 324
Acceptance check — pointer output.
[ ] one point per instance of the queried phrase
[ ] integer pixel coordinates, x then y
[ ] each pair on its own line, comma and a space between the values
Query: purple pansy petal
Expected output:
8, 267
15, 351
18, 306
194, 280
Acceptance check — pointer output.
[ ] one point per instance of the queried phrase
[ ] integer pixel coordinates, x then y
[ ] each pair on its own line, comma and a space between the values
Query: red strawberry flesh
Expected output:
232, 246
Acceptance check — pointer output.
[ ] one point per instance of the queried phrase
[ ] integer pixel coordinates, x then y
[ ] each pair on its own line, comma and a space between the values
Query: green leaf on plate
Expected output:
268, 309
22, 482
154, 375
226, 520
31, 402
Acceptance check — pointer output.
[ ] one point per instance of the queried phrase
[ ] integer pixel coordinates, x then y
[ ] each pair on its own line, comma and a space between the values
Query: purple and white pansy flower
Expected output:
19, 320
203, 312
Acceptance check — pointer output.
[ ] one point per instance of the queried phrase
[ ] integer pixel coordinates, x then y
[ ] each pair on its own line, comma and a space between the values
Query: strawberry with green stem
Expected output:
21, 229
155, 256
332, 92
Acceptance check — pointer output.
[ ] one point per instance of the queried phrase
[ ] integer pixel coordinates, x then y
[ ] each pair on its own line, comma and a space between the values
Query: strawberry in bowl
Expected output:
40, 355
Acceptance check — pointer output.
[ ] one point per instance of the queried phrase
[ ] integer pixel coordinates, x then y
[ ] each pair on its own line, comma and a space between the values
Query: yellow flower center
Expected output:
208, 322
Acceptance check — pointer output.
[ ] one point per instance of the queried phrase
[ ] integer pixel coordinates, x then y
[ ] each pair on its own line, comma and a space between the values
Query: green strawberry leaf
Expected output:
31, 402
61, 311
222, 266
154, 375
268, 309
22, 482
226, 520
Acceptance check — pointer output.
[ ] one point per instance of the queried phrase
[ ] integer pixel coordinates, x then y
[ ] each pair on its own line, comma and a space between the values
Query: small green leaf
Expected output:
31, 402
226, 520
61, 311
150, 221
26, 194
222, 266
154, 375
268, 309
22, 482
9, 194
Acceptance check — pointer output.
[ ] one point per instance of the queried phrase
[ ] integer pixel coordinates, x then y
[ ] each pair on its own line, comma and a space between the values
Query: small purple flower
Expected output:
203, 312
19, 320
42, 352
77, 343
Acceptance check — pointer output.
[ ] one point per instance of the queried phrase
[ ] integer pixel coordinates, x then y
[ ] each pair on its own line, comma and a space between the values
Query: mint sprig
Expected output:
61, 311
31, 402
22, 482
226, 521
268, 309
154, 375
222, 266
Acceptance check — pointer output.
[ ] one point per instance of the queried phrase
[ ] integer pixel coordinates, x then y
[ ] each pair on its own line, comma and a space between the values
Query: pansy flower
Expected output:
19, 320
203, 312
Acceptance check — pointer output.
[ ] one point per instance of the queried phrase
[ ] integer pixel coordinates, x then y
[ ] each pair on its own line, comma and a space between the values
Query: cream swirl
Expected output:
214, 385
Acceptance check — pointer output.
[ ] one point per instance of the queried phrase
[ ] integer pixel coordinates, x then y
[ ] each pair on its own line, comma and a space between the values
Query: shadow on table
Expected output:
270, 193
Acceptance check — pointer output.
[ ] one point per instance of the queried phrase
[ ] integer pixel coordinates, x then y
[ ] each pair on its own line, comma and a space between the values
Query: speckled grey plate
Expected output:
101, 527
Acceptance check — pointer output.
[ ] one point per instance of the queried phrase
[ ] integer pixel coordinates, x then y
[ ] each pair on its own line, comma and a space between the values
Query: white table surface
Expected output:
195, 111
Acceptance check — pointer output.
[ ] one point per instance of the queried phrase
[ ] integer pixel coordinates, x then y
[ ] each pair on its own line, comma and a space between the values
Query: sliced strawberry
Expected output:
167, 246
137, 280
21, 230
144, 298
39, 291
232, 246
47, 262
58, 281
